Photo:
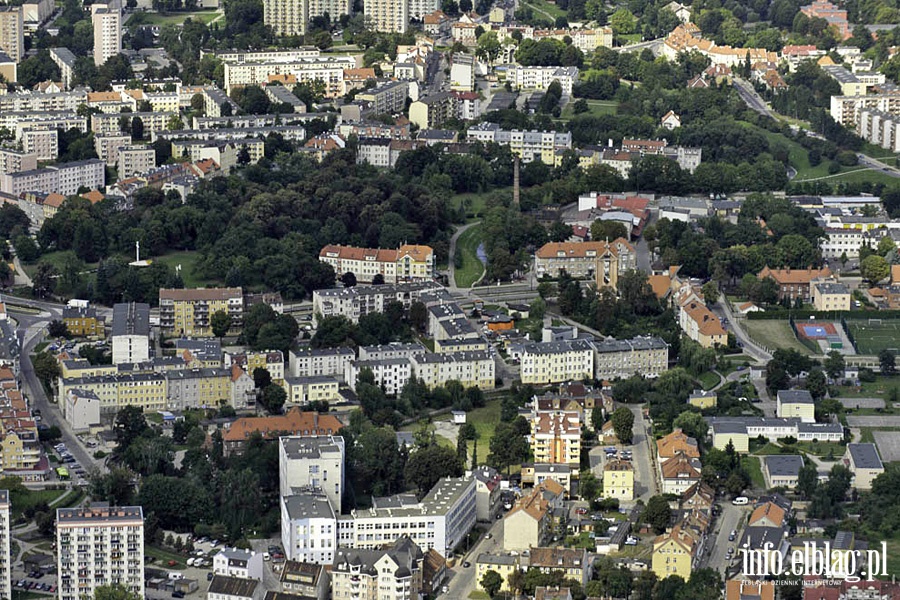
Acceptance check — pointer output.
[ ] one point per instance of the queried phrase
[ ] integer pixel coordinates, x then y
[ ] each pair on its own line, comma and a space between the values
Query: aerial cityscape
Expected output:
465, 299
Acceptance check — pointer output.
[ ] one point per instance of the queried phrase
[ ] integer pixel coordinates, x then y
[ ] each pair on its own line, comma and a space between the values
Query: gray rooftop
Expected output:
131, 318
304, 448
865, 456
795, 397
784, 466
308, 505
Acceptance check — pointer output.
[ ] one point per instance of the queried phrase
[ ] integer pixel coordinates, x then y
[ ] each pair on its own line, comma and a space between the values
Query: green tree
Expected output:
885, 245
491, 582
888, 362
623, 423
488, 46
427, 465
874, 268
657, 513
274, 398
507, 447
538, 309
115, 592
834, 364
710, 291
608, 230
816, 384
57, 329
622, 22
807, 479
692, 423
220, 321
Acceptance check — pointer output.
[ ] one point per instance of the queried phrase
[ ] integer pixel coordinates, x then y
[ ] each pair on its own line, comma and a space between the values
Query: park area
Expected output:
773, 334
874, 335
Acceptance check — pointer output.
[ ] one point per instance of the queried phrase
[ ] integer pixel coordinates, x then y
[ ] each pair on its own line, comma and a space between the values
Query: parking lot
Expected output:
888, 443
69, 468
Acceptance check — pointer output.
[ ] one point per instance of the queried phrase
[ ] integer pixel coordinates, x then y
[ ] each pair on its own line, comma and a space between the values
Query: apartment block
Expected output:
99, 545
65, 60
206, 387
528, 145
83, 321
613, 359
540, 78
407, 263
309, 528
462, 73
12, 32
130, 333
394, 572
471, 369
328, 70
831, 296
188, 312
291, 17
556, 362
42, 143
111, 123
13, 161
303, 390
312, 463
107, 21
431, 112
5, 557
386, 99
107, 147
556, 438
135, 160
320, 362
116, 391
618, 480
82, 410
237, 562
391, 374
834, 16
357, 301
387, 15
64, 178
601, 260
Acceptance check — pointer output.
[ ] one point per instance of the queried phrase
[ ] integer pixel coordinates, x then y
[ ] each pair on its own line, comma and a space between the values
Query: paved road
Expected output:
461, 580
750, 347
644, 459
877, 165
752, 99
31, 332
732, 518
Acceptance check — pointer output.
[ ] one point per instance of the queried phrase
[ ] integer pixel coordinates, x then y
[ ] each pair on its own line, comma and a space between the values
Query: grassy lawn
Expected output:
821, 448
474, 203
164, 556
485, 420
596, 108
54, 258
472, 268
709, 380
768, 450
630, 38
188, 261
32, 498
545, 8
752, 464
479, 595
774, 334
173, 18
866, 389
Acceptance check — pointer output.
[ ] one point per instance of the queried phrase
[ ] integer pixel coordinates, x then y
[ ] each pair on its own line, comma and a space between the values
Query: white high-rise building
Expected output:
419, 8
107, 21
291, 17
387, 15
99, 545
312, 463
5, 560
130, 333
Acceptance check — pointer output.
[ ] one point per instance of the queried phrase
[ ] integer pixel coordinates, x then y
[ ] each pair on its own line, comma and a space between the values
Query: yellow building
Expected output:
144, 390
673, 553
188, 312
471, 369
83, 322
722, 433
702, 399
270, 360
69, 369
21, 450
529, 523
797, 404
303, 390
618, 480
831, 296
503, 564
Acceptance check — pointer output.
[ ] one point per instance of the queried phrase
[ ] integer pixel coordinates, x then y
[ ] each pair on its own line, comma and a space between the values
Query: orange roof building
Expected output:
768, 514
794, 283
701, 324
740, 589
677, 441
603, 261
410, 262
294, 422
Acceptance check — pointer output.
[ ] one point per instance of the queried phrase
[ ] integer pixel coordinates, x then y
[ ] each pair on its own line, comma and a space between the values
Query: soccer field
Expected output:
874, 335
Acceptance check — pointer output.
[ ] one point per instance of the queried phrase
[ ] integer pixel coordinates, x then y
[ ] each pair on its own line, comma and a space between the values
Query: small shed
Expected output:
459, 417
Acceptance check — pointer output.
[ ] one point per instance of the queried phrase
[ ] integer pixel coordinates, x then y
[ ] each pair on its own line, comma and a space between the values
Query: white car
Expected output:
741, 501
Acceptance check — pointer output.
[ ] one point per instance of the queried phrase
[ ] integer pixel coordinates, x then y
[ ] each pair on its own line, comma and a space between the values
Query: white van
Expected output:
175, 576
741, 501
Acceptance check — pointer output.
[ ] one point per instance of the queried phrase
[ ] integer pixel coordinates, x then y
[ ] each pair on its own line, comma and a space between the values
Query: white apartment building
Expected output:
374, 151
390, 373
879, 128
237, 562
65, 60
393, 350
326, 69
13, 161
471, 369
291, 17
387, 15
43, 143
316, 362
5, 558
34, 101
540, 78
108, 123
389, 573
64, 178
846, 109
528, 145
462, 73
419, 8
387, 98
82, 410
130, 333
308, 528
556, 362
134, 160
99, 545
357, 301
303, 390
12, 32
440, 520
312, 463
107, 21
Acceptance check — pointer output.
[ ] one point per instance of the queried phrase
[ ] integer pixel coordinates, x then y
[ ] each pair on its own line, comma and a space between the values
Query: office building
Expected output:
107, 21
131, 333
99, 545
312, 463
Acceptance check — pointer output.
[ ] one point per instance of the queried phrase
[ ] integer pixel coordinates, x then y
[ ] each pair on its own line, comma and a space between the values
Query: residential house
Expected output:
502, 564
676, 443
674, 553
782, 470
679, 473
702, 325
556, 438
573, 563
618, 480
237, 562
831, 296
703, 399
795, 283
528, 524
83, 321
603, 261
305, 579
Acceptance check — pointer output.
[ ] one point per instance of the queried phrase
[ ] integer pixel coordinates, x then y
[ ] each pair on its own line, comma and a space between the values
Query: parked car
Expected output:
741, 501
